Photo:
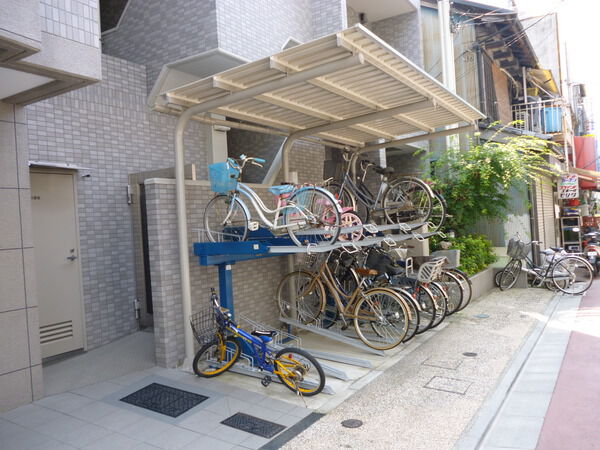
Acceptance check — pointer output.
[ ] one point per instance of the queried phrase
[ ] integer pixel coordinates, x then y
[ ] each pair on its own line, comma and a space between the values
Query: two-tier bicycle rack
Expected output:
262, 244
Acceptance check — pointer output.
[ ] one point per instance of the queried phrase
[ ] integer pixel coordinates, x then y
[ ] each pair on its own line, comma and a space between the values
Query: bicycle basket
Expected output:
204, 325
223, 177
431, 270
517, 249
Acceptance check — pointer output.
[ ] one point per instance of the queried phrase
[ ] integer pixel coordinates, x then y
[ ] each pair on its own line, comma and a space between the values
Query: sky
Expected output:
580, 27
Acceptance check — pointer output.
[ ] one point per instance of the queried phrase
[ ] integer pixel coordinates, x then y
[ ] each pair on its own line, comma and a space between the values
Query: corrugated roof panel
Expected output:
368, 77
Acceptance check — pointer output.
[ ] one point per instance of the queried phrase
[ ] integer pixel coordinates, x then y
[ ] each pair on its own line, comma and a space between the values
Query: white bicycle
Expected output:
309, 214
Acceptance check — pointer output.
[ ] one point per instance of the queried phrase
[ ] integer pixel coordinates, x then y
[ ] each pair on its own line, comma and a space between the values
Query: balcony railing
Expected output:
544, 117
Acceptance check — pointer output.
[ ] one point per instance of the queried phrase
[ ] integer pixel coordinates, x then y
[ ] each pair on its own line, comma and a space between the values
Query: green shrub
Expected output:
476, 252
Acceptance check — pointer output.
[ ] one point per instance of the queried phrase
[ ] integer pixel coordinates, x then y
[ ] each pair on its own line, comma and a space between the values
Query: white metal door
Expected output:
55, 236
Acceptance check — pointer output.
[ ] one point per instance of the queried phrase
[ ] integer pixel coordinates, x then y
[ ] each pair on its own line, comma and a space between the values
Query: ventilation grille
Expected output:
56, 332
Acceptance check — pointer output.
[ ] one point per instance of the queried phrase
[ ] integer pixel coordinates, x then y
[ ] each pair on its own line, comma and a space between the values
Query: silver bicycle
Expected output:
309, 214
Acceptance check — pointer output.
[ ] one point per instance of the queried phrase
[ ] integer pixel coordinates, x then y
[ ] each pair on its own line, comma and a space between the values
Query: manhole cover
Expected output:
471, 354
481, 316
254, 425
352, 423
163, 399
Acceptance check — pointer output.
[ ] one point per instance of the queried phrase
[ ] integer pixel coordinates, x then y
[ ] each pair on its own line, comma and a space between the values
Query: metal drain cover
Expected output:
352, 423
481, 316
254, 425
163, 399
471, 354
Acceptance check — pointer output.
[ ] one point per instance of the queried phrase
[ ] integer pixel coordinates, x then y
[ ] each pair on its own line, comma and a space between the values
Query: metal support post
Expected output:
226, 286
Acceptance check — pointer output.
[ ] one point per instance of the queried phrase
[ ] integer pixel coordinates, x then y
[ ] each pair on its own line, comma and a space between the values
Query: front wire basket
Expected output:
518, 249
204, 325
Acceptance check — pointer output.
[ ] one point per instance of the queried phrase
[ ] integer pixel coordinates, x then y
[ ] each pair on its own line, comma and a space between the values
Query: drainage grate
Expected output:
254, 425
163, 399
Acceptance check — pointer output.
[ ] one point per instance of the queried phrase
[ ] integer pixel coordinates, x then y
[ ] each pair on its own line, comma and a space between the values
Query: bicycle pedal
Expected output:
266, 381
253, 225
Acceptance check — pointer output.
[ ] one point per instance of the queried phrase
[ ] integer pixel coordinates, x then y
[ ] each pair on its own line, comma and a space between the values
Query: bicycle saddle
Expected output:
265, 333
557, 249
384, 170
281, 189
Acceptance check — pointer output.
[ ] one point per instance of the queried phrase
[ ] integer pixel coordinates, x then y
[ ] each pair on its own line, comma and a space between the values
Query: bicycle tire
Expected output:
351, 219
440, 299
497, 278
578, 273
427, 311
438, 212
216, 357
413, 309
454, 291
381, 308
301, 296
293, 371
221, 225
407, 200
342, 194
467, 287
324, 218
510, 274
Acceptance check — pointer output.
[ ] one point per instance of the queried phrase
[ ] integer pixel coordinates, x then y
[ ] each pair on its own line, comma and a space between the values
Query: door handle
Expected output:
72, 258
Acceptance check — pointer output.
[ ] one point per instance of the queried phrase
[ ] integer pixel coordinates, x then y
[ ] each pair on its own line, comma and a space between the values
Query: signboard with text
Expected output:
568, 187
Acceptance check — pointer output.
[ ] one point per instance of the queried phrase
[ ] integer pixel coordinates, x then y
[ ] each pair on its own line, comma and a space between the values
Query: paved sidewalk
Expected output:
548, 398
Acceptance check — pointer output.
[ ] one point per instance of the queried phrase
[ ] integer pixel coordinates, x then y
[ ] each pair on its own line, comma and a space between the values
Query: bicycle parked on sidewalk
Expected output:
568, 273
309, 214
221, 344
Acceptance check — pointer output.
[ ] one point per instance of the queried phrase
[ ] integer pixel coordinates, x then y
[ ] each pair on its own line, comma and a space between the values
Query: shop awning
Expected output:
591, 175
350, 87
543, 79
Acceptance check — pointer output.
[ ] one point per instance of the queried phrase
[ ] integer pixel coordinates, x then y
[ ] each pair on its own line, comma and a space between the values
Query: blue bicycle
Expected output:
221, 341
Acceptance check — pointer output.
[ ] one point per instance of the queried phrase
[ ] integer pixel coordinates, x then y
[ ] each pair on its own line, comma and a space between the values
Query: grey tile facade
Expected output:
258, 28
403, 33
156, 32
109, 129
329, 16
76, 20
20, 359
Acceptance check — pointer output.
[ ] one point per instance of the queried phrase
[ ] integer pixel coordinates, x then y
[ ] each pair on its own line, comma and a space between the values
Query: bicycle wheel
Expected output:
225, 219
497, 278
407, 200
342, 194
510, 274
427, 311
216, 357
454, 290
315, 217
382, 310
440, 298
572, 275
413, 310
301, 296
467, 286
299, 371
351, 219
438, 212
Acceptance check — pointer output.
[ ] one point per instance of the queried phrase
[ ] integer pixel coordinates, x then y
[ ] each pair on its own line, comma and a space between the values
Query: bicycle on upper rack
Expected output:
221, 345
380, 315
568, 273
309, 214
406, 200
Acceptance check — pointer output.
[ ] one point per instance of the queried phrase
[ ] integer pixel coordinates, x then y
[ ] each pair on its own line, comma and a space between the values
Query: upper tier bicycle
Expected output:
221, 341
406, 200
568, 273
309, 214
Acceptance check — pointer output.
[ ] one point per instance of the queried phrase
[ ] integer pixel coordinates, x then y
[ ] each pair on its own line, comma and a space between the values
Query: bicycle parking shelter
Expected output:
346, 91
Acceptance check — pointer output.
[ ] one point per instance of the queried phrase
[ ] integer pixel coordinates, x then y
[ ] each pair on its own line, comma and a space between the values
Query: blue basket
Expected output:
223, 177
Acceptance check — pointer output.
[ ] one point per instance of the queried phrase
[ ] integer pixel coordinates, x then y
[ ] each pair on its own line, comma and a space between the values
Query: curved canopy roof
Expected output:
350, 88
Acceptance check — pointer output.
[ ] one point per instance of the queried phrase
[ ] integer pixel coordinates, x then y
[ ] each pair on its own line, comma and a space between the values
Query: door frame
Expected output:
74, 176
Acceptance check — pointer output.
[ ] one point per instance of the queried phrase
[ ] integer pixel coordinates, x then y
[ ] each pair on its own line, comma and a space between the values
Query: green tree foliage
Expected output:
476, 182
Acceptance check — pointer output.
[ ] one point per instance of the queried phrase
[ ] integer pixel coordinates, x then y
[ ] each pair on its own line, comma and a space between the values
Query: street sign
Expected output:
568, 186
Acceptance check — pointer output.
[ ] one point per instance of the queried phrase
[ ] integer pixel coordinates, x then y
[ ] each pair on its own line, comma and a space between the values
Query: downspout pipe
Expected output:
182, 121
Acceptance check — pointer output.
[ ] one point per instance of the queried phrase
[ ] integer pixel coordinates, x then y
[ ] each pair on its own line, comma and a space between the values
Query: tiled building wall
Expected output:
254, 282
329, 16
77, 20
254, 29
20, 360
109, 129
156, 32
403, 33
